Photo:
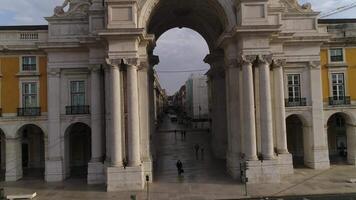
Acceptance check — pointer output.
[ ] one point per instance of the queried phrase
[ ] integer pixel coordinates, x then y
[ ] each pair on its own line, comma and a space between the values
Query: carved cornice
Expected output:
214, 57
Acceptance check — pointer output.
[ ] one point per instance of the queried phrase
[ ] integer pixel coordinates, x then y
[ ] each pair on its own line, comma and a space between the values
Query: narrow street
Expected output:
171, 146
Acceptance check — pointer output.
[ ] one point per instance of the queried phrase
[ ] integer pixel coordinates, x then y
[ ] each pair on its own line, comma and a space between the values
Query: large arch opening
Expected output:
180, 130
32, 151
295, 139
77, 150
2, 155
338, 143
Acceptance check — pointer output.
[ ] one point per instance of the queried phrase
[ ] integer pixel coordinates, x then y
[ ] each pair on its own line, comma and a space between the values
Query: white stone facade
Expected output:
109, 45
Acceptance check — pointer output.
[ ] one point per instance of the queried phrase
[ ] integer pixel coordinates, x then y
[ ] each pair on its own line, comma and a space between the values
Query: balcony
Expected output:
296, 102
77, 110
339, 100
30, 111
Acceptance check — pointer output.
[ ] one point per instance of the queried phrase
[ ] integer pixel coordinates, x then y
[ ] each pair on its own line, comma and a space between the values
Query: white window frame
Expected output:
343, 55
70, 93
30, 80
21, 63
338, 71
300, 85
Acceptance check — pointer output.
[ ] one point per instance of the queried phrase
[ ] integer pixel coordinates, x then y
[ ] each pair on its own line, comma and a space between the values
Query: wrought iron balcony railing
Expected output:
296, 102
339, 100
29, 111
77, 110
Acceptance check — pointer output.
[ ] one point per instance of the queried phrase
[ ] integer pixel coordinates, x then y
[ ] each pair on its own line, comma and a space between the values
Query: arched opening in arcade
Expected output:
2, 155
32, 151
295, 139
77, 150
340, 135
184, 131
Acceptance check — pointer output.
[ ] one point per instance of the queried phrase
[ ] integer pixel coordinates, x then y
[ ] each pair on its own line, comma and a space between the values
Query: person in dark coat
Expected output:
180, 167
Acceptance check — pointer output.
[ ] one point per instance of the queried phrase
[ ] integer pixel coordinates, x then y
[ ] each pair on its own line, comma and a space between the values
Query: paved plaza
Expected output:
204, 178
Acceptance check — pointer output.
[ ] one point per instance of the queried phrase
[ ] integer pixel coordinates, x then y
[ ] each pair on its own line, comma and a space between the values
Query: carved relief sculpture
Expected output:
76, 8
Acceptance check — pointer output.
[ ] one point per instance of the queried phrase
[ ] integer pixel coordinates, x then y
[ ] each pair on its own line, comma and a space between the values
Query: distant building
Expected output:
197, 105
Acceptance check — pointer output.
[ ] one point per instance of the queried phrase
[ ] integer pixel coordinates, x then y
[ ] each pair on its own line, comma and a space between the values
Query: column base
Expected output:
285, 164
95, 173
263, 172
54, 171
147, 168
120, 179
233, 166
13, 175
319, 160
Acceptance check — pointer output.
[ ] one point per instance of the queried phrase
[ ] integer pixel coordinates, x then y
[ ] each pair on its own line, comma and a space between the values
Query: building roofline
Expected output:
337, 21
24, 28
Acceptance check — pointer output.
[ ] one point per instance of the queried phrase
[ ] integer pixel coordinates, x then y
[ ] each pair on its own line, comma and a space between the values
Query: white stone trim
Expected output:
338, 70
20, 63
27, 80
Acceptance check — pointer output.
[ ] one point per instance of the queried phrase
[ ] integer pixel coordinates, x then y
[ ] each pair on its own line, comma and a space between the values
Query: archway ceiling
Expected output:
201, 16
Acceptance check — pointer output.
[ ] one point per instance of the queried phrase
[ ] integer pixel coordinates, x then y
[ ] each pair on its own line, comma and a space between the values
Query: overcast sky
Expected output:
178, 49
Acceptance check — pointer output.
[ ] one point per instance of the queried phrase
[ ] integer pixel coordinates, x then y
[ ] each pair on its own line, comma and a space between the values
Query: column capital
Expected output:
54, 72
247, 59
314, 64
279, 62
215, 57
231, 63
264, 59
94, 67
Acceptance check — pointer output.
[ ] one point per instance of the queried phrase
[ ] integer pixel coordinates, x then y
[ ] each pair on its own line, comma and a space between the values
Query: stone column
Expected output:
54, 163
116, 115
133, 117
13, 159
280, 116
249, 123
107, 76
317, 137
265, 109
96, 114
95, 166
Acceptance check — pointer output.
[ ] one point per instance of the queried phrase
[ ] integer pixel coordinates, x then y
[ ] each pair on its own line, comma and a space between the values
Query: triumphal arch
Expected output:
251, 43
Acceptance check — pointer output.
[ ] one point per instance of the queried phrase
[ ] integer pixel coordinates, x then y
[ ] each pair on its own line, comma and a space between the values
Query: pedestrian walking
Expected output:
202, 153
180, 169
196, 147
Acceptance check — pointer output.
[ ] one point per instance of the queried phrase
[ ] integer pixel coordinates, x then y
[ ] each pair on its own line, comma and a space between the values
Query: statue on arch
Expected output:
76, 7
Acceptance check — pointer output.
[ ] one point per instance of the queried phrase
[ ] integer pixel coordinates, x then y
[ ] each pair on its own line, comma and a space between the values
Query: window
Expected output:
77, 93
29, 95
294, 87
29, 63
336, 55
338, 86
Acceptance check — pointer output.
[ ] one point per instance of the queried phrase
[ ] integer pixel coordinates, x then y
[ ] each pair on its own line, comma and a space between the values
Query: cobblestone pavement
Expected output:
204, 179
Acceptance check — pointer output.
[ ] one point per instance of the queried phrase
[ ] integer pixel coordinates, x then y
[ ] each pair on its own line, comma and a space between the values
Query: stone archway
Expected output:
296, 139
77, 150
32, 151
341, 139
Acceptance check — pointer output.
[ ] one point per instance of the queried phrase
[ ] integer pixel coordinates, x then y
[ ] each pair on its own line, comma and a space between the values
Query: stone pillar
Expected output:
107, 75
95, 166
116, 115
317, 136
267, 148
54, 164
248, 110
232, 75
351, 144
144, 114
280, 117
13, 159
133, 139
